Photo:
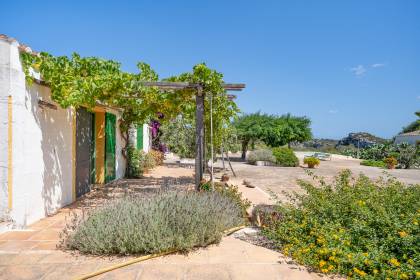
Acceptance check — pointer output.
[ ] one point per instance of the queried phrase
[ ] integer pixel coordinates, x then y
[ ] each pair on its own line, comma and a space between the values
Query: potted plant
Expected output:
311, 162
390, 162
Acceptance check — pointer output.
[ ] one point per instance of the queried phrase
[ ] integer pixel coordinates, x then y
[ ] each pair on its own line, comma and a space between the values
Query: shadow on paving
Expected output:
122, 187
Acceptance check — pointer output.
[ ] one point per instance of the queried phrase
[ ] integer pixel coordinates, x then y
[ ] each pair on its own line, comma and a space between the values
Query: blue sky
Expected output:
348, 65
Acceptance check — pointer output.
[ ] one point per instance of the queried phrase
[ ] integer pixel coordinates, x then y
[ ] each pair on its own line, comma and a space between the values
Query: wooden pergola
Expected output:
199, 105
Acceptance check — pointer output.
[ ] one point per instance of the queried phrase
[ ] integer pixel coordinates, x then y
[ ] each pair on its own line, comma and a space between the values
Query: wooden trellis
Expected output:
199, 101
199, 114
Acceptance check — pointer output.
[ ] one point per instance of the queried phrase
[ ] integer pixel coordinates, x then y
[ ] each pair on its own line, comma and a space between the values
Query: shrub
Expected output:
179, 136
147, 161
285, 157
409, 155
134, 169
374, 163
264, 215
390, 162
165, 221
360, 228
311, 161
231, 192
263, 155
158, 157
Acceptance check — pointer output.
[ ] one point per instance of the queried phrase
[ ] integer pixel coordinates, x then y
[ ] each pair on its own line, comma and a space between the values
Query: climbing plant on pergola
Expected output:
84, 81
199, 116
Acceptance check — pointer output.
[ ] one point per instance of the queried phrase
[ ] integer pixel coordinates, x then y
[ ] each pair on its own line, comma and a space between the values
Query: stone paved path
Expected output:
32, 253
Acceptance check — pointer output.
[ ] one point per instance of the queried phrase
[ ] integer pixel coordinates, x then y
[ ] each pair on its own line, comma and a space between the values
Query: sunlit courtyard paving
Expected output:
32, 253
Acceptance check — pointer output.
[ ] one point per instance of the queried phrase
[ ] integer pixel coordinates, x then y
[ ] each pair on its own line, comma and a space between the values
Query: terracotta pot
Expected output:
311, 165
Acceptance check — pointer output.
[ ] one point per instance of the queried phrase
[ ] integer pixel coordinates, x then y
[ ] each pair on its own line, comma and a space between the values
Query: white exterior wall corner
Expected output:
5, 73
121, 162
147, 141
132, 137
42, 145
42, 149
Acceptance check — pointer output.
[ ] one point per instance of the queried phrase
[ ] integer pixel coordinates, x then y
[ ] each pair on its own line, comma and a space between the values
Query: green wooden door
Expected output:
140, 137
110, 141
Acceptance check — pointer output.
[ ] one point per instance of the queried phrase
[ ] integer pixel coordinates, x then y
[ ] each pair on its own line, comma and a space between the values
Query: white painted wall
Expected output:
5, 73
42, 145
120, 165
146, 138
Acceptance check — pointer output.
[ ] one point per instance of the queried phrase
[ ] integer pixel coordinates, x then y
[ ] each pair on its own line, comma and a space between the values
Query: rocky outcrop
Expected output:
361, 140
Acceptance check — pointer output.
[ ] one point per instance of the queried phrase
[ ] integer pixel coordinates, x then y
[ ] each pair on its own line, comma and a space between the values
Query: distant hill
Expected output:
353, 140
360, 139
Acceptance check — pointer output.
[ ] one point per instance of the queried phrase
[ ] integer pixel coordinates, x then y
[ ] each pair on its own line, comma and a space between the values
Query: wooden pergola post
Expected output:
199, 137
199, 99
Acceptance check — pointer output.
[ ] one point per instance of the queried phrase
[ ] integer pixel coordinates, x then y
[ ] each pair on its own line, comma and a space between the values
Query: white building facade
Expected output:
46, 159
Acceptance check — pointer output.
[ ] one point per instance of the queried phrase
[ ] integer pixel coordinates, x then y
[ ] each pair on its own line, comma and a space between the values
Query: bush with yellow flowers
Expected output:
355, 227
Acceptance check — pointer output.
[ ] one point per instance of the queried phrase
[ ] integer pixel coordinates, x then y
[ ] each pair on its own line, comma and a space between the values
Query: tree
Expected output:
273, 130
252, 127
413, 126
287, 129
179, 136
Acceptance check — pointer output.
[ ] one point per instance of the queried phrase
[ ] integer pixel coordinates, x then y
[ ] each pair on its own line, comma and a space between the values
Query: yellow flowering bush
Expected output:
356, 227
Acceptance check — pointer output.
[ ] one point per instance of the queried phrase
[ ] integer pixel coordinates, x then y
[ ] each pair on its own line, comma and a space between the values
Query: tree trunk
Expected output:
244, 148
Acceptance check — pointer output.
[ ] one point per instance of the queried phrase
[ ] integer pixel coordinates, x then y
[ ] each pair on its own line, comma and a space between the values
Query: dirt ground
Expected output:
279, 179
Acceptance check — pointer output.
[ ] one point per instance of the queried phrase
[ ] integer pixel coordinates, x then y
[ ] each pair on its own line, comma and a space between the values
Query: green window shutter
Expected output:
140, 137
110, 142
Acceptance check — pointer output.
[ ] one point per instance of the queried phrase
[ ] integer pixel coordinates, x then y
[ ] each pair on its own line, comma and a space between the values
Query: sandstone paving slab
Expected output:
46, 234
45, 245
208, 272
17, 245
42, 224
18, 235
6, 258
18, 272
69, 271
163, 272
129, 272
253, 271
27, 258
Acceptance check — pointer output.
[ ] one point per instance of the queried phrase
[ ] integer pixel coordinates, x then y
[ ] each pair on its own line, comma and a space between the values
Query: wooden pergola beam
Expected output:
200, 96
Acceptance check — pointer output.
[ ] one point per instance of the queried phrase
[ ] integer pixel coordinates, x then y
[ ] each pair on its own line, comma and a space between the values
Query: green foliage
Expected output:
134, 168
165, 221
179, 136
287, 129
375, 163
285, 157
263, 155
272, 130
224, 109
147, 161
250, 128
139, 162
360, 228
407, 155
85, 81
311, 161
231, 192
413, 126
